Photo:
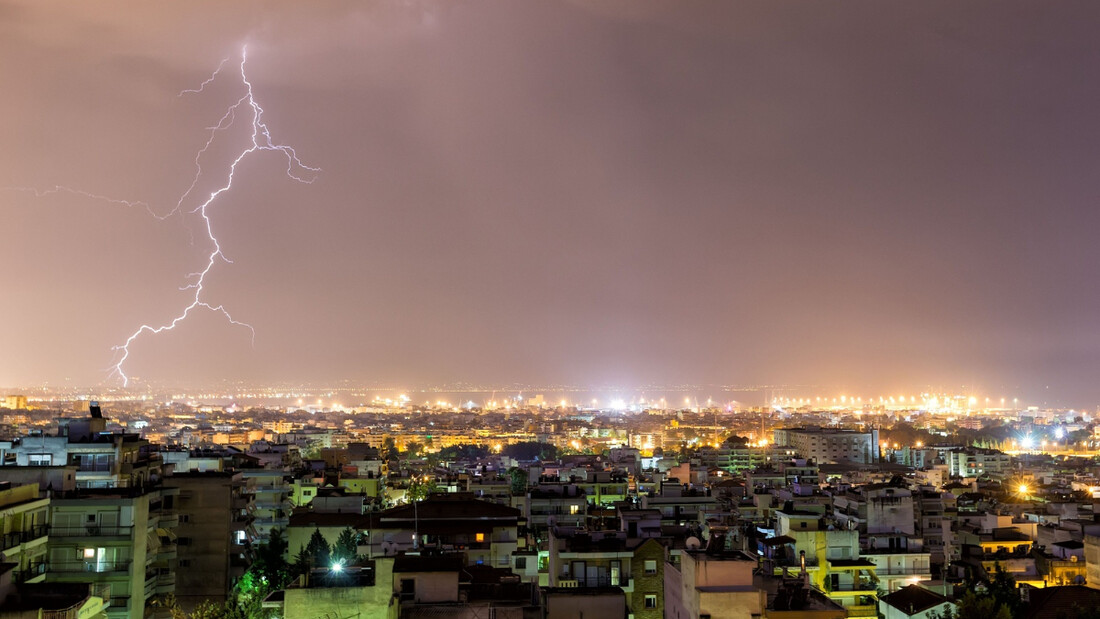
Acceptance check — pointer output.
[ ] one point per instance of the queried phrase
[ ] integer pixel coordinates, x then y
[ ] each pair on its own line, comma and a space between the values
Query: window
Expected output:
521, 563
185, 517
183, 541
480, 537
651, 601
650, 567
573, 509
185, 563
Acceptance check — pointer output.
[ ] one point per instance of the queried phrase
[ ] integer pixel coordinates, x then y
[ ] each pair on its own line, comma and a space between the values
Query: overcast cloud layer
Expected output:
867, 195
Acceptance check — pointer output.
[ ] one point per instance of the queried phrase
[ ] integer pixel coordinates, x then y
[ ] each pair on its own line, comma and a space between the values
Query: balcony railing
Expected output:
101, 591
33, 570
92, 530
93, 567
903, 571
19, 537
859, 586
121, 602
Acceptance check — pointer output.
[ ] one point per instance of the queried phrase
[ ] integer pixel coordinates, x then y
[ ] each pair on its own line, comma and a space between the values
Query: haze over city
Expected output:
568, 193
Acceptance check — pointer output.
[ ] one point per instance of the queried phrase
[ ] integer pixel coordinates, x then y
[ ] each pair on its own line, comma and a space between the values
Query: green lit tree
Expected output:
519, 481
420, 489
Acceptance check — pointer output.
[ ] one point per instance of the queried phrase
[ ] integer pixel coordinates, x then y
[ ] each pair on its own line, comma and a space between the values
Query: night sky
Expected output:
871, 196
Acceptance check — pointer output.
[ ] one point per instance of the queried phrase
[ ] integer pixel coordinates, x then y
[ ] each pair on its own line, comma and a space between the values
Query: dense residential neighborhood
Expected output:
421, 512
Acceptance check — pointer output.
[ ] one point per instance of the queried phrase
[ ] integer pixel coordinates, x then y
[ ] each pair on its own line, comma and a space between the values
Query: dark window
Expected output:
521, 563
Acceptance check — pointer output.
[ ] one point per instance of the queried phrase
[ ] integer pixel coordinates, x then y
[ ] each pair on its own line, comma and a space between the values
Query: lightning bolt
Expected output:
247, 107
261, 141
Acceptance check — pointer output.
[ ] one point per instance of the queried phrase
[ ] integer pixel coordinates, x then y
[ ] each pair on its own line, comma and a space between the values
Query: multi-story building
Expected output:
716, 584
50, 600
270, 493
487, 533
24, 527
831, 558
121, 537
213, 536
581, 559
102, 459
679, 506
976, 462
876, 508
831, 444
555, 504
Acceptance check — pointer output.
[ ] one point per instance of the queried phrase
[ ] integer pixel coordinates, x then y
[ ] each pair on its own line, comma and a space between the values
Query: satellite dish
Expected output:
388, 548
693, 543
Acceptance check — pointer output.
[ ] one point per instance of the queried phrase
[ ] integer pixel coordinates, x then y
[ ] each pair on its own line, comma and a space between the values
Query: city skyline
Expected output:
583, 193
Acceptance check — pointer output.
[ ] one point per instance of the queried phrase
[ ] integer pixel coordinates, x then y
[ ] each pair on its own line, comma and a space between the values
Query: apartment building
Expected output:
24, 529
213, 536
832, 445
120, 537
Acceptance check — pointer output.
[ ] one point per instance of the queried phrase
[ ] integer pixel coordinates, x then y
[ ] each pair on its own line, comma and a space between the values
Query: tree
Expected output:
389, 449
420, 489
270, 566
318, 549
346, 548
1002, 588
519, 481
531, 450
974, 606
413, 449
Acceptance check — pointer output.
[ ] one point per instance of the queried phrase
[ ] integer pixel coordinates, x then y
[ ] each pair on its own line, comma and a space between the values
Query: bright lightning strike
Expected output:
261, 140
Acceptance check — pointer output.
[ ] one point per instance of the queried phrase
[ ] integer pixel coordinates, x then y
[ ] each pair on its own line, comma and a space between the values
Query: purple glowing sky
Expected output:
855, 194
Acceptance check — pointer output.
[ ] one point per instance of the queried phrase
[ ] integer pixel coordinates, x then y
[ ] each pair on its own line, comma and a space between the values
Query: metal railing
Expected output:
94, 567
33, 570
101, 591
15, 538
92, 530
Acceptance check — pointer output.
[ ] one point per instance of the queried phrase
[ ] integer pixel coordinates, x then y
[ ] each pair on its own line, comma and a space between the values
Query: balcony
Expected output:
865, 610
168, 519
166, 583
21, 537
34, 570
859, 587
903, 571
92, 530
73, 612
121, 602
90, 567
262, 488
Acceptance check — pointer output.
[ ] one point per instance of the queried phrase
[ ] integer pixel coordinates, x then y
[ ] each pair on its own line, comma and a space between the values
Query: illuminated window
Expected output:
480, 537
89, 553
573, 509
